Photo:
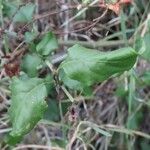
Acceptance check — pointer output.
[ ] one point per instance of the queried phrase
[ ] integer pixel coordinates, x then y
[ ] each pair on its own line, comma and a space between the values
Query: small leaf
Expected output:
30, 64
27, 106
25, 13
47, 44
29, 36
84, 67
9, 8
146, 78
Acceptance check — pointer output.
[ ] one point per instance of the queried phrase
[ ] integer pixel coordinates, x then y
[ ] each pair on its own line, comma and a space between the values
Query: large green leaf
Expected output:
83, 67
30, 64
47, 44
71, 83
25, 13
27, 106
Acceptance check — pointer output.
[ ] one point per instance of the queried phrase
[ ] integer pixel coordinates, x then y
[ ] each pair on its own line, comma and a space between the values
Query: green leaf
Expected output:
47, 44
145, 144
65, 106
134, 122
146, 78
27, 106
145, 47
25, 13
59, 143
84, 67
30, 64
49, 83
29, 37
52, 112
72, 84
121, 92
9, 8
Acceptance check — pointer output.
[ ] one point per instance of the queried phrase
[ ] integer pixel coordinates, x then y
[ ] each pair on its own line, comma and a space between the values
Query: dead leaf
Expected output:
115, 7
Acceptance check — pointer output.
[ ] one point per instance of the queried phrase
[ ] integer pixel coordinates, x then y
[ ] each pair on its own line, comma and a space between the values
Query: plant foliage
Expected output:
84, 67
27, 106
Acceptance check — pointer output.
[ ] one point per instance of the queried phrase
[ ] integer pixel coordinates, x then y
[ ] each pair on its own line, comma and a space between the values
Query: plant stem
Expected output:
1, 14
96, 44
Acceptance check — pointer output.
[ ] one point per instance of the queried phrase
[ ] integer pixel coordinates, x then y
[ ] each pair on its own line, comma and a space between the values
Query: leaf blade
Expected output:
25, 13
47, 44
30, 64
27, 107
88, 66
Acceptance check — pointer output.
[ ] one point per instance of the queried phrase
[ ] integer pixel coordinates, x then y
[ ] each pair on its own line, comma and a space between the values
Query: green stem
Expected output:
123, 27
92, 44
1, 14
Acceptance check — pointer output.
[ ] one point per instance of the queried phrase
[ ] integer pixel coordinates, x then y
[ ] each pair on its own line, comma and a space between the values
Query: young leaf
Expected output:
47, 44
27, 106
25, 13
30, 64
29, 37
84, 67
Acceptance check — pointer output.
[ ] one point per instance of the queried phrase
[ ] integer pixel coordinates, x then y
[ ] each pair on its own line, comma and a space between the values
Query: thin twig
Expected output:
21, 147
67, 94
79, 13
5, 130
